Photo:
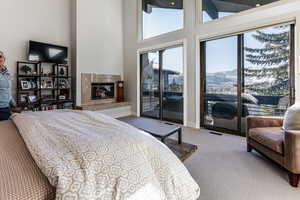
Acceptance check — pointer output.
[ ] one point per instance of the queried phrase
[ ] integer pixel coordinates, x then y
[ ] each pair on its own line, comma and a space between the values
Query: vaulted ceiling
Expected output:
212, 7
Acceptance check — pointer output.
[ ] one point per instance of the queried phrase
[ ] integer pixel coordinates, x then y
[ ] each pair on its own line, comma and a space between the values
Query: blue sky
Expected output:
222, 53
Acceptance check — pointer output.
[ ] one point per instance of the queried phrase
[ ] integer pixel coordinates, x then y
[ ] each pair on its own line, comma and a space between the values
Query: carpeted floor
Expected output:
225, 171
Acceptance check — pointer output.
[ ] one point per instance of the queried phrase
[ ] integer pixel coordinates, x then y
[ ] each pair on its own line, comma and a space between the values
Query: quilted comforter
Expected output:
89, 156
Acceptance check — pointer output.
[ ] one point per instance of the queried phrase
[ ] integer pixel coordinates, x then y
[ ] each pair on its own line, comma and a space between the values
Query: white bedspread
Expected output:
89, 156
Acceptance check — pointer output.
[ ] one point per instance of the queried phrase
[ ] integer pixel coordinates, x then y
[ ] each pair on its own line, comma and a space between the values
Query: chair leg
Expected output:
294, 179
249, 148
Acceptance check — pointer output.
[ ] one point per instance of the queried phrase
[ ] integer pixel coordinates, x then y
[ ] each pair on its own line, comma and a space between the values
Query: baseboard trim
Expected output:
191, 124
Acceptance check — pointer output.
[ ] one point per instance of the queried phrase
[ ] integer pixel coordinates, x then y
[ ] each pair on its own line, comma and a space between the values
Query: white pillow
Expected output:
291, 119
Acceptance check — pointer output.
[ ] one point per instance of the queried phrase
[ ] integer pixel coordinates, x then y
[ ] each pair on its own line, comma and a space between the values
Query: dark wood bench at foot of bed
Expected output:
163, 130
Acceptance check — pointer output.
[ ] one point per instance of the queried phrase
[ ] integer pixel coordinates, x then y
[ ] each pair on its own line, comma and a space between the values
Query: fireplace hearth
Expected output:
103, 91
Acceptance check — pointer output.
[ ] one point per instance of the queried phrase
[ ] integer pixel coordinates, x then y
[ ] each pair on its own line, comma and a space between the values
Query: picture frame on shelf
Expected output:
25, 85
64, 84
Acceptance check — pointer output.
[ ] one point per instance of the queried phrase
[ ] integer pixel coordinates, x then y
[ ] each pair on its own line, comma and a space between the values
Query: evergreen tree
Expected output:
270, 62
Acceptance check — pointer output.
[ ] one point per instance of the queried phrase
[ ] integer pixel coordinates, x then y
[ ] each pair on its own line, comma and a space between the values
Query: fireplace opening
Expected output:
103, 91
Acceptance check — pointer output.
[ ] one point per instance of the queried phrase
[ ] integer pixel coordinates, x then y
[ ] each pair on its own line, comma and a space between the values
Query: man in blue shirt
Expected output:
6, 100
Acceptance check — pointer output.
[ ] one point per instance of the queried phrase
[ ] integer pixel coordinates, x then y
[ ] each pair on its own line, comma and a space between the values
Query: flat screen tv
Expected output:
48, 53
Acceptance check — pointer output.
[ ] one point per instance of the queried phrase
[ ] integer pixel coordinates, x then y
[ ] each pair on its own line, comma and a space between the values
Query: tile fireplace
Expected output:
98, 88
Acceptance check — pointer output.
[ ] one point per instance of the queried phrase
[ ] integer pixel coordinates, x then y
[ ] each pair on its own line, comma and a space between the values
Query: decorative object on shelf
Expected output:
25, 85
120, 91
49, 84
23, 98
62, 97
33, 85
47, 97
62, 71
38, 84
50, 74
26, 69
43, 85
32, 98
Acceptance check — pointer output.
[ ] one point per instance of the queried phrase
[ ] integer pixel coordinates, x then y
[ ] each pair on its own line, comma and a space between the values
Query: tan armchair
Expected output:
265, 135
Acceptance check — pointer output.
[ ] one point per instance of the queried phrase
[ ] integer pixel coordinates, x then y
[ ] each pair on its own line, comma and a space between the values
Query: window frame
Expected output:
140, 25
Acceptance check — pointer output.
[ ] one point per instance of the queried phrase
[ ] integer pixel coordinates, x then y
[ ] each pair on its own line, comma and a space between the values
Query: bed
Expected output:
87, 155
20, 178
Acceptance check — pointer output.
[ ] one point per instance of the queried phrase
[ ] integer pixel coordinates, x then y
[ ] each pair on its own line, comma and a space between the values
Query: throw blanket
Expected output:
87, 155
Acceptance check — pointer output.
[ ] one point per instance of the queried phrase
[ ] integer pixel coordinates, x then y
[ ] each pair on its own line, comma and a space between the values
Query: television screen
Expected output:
41, 52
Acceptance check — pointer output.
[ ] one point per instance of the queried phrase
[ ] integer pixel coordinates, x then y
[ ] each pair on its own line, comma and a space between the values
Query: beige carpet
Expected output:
225, 171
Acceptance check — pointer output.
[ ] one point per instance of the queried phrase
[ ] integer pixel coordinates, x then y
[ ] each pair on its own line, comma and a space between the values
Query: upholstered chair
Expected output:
279, 139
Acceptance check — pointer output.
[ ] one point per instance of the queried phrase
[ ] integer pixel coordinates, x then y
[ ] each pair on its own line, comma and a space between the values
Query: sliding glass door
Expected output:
150, 85
172, 77
162, 84
247, 74
220, 92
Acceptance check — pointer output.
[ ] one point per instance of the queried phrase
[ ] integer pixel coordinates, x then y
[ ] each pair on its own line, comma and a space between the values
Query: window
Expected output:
161, 16
162, 84
252, 75
215, 9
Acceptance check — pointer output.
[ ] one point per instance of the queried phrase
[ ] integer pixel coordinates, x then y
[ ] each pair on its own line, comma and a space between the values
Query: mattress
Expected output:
20, 178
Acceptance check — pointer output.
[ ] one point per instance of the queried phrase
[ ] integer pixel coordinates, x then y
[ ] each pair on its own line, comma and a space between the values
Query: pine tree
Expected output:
271, 61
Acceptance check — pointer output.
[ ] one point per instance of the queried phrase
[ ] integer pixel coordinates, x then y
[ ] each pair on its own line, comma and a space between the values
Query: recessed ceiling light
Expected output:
172, 3
257, 5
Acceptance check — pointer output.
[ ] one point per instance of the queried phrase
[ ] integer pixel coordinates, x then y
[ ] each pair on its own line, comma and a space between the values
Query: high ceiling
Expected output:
213, 7
171, 4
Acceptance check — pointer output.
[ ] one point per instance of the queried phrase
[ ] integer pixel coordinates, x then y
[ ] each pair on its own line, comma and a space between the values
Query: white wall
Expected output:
281, 11
99, 39
46, 21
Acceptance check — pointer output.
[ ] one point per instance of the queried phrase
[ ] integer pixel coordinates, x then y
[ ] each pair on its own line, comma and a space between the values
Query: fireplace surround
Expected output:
87, 81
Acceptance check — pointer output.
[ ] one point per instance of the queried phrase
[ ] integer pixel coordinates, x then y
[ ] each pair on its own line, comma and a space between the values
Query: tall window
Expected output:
252, 75
161, 16
215, 9
162, 84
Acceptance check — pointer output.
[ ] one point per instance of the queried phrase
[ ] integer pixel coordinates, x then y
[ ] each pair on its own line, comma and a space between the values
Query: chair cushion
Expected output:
271, 137
291, 121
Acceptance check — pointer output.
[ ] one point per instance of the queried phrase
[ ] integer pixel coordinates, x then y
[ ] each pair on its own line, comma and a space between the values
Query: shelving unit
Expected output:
48, 86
